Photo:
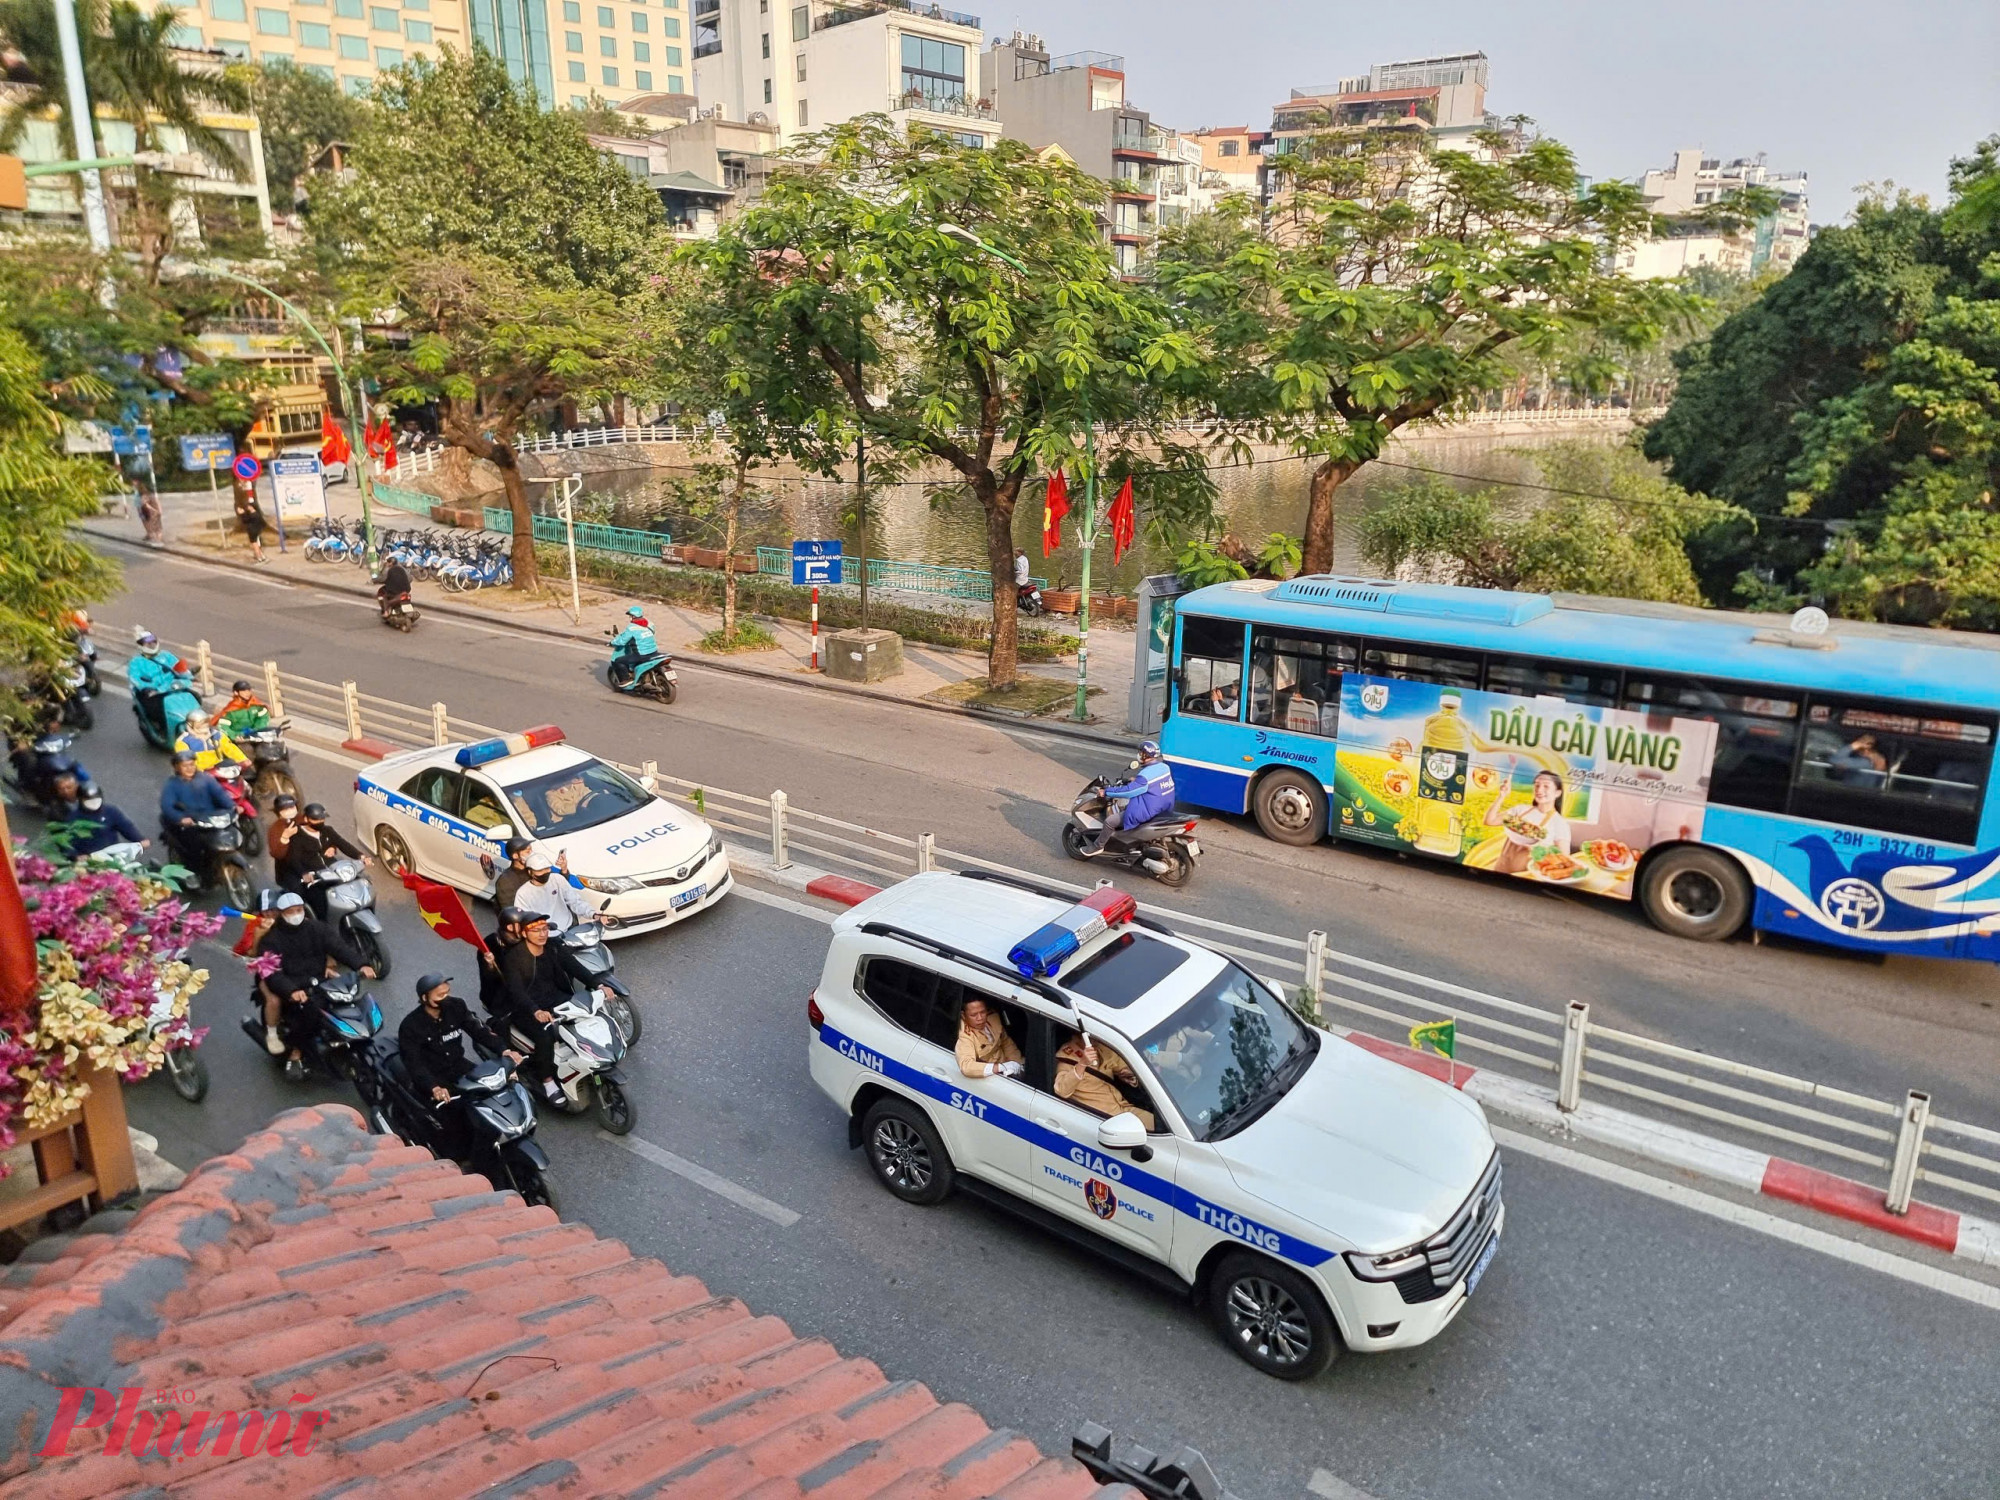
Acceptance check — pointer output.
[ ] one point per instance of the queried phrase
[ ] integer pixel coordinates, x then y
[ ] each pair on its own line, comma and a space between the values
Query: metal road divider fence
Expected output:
1901, 1143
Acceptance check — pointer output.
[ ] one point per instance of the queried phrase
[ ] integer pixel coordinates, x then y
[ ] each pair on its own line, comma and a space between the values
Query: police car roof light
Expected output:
1041, 953
479, 752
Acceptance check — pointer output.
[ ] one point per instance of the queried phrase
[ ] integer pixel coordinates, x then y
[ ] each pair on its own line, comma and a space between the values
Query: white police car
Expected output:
1312, 1195
448, 812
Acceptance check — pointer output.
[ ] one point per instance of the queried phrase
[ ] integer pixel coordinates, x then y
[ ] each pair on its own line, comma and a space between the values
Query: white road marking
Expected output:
1332, 1487
701, 1177
1868, 1257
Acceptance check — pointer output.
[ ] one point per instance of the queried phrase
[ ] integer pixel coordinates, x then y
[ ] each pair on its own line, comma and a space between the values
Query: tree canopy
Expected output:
1854, 412
941, 350
1392, 281
300, 115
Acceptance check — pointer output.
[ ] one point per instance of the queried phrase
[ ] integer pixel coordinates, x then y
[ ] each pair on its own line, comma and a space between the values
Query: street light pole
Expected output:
80, 125
1087, 529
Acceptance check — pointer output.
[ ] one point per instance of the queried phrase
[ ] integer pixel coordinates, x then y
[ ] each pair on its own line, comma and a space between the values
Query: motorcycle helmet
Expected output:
430, 982
633, 612
146, 641
283, 801
313, 812
92, 799
1150, 751
184, 757
239, 686
196, 720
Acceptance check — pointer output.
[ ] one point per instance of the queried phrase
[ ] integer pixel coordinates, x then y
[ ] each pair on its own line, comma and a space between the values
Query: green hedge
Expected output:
701, 588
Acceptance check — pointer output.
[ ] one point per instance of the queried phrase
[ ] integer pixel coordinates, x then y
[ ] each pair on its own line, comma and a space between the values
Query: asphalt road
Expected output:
1621, 1346
1872, 1026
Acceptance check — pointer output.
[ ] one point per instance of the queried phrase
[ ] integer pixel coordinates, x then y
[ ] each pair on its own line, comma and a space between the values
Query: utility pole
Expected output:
80, 124
861, 482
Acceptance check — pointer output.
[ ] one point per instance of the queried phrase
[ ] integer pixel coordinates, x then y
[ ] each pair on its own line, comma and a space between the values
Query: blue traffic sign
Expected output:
207, 450
815, 562
246, 467
131, 440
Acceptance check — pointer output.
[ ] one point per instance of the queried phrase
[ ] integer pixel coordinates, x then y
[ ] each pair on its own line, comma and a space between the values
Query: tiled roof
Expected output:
461, 1343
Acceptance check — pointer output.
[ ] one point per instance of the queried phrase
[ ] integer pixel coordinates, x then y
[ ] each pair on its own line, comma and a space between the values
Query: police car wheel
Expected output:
1272, 1317
906, 1153
1290, 807
1696, 893
393, 852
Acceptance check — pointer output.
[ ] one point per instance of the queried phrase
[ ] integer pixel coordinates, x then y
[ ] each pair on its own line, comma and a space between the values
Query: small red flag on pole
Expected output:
334, 448
1054, 507
1124, 525
444, 909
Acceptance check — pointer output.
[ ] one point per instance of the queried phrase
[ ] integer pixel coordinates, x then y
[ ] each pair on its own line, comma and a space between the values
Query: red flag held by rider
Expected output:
444, 909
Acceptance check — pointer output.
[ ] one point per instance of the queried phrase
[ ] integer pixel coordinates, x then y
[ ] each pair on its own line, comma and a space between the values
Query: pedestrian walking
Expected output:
251, 517
152, 516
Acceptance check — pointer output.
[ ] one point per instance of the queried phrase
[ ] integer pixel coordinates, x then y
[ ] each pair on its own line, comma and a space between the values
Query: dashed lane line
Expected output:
701, 1177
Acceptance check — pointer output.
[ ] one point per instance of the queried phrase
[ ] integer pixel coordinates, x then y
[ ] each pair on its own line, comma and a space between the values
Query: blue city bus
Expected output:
1827, 780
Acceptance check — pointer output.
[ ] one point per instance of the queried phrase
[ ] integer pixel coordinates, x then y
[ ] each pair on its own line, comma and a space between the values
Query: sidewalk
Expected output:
933, 676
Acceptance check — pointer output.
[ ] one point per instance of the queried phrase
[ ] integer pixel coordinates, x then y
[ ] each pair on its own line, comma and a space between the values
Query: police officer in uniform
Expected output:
1096, 1080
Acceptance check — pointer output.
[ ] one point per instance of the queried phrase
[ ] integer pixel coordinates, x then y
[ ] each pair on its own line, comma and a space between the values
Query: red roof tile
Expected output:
456, 1341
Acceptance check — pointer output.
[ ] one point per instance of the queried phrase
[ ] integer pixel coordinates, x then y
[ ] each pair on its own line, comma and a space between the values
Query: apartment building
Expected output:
1232, 157
1077, 101
803, 66
1443, 97
1695, 183
347, 40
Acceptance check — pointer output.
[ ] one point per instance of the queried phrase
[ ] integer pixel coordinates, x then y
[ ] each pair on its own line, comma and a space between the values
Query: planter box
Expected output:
701, 557
741, 563
1061, 601
1111, 607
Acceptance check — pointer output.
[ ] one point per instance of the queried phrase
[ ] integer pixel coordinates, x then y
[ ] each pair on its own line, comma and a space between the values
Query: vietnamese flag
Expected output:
1054, 507
19, 981
1124, 524
444, 909
381, 441
334, 448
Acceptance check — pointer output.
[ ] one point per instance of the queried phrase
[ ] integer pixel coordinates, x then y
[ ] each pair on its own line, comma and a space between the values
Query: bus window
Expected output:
1211, 678
1574, 682
1390, 659
1296, 680
1893, 768
1756, 733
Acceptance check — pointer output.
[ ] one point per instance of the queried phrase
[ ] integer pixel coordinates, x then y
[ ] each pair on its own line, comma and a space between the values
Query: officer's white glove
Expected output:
1010, 1070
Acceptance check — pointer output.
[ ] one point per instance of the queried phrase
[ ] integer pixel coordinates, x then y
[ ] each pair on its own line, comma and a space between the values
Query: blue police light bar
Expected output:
1040, 955
479, 752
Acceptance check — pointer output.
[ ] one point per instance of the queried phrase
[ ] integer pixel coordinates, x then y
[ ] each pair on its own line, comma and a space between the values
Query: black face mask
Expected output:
540, 877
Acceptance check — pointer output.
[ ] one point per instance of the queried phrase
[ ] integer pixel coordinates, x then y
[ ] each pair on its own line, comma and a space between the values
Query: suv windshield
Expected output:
574, 798
1229, 1054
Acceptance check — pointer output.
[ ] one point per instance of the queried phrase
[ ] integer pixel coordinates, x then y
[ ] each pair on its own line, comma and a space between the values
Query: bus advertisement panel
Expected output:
1566, 793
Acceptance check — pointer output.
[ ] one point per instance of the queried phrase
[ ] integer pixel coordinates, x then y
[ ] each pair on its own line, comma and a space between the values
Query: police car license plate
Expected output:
1479, 1266
688, 898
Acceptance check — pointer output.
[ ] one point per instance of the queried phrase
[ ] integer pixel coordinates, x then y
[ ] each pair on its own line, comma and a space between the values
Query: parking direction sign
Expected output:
206, 450
816, 562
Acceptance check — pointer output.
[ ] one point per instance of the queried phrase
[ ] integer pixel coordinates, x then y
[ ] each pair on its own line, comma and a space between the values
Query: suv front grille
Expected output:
1454, 1249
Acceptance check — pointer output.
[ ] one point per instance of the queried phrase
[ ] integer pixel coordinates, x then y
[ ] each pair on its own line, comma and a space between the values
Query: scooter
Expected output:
161, 713
587, 959
1028, 600
399, 613
230, 774
33, 768
348, 1020
185, 1069
588, 1048
644, 676
86, 658
70, 693
270, 760
499, 1116
1164, 848
213, 849
350, 907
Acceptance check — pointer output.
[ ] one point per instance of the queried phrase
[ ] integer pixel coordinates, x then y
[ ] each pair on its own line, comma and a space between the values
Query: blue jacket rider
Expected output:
98, 825
191, 793
635, 643
153, 668
1145, 797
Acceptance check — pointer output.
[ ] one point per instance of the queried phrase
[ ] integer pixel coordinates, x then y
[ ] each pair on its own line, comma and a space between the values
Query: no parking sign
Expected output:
246, 467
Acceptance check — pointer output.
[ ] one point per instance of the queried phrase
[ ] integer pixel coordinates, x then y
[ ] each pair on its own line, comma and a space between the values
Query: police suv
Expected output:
1312, 1195
448, 812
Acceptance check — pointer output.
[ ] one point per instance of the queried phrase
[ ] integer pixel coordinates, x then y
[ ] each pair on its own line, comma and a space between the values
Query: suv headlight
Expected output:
609, 885
1386, 1267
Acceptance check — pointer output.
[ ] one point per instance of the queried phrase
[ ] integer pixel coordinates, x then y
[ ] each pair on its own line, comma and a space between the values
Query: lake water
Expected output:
919, 522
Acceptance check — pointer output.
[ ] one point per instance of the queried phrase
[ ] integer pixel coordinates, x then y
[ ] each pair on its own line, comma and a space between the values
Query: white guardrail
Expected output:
1900, 1143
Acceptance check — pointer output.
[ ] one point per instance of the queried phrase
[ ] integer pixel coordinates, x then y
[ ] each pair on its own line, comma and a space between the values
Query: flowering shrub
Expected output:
111, 945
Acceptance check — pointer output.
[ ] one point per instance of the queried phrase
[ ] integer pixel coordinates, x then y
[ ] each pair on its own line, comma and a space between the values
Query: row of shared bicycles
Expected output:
456, 561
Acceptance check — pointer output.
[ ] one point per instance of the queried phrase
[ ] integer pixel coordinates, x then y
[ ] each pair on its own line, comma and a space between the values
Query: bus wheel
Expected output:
1290, 807
1696, 893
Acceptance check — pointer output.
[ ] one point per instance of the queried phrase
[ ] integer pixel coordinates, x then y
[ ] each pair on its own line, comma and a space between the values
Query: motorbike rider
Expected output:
394, 583
1148, 795
302, 946
432, 1040
208, 741
44, 755
284, 823
97, 825
245, 712
311, 847
154, 669
632, 645
190, 793
515, 875
498, 941
1024, 585
532, 984
560, 901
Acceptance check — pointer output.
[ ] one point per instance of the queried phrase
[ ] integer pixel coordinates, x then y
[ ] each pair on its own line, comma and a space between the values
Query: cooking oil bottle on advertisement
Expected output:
1442, 760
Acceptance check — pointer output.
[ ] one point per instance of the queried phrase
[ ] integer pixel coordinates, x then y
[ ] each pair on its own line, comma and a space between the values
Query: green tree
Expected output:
457, 157
492, 348
1854, 410
1391, 280
45, 571
300, 115
944, 353
1613, 526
